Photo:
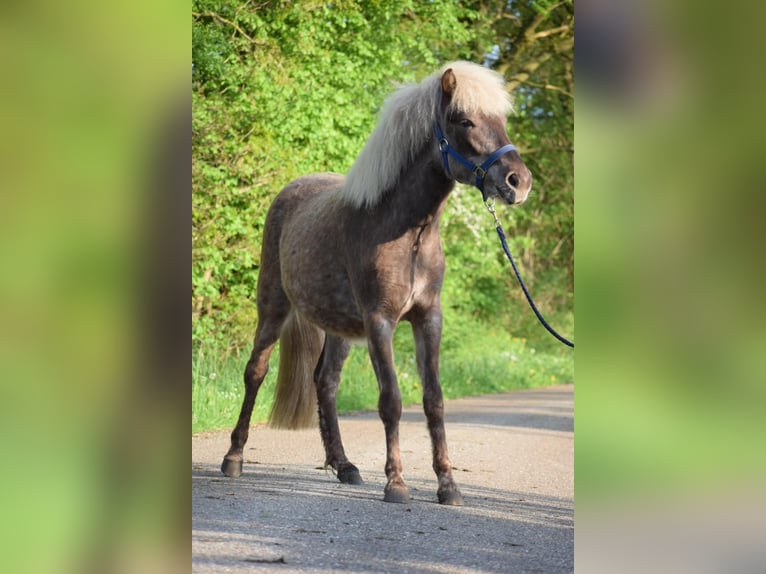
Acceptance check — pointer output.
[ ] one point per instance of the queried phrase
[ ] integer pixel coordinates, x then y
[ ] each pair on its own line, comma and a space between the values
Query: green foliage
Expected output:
282, 89
474, 360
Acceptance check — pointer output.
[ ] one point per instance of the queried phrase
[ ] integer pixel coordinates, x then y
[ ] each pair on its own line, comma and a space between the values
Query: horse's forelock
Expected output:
406, 123
479, 89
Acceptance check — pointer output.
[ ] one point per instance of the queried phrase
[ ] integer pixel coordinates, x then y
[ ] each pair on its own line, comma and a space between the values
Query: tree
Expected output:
282, 89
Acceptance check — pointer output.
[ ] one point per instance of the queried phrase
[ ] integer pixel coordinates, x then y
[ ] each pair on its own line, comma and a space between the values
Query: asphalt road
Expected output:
513, 458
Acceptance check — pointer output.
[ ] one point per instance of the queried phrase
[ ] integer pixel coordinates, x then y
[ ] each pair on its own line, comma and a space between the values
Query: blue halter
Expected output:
478, 170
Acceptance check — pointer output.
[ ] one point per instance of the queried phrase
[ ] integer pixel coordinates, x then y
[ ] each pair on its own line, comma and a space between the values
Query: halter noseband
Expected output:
478, 170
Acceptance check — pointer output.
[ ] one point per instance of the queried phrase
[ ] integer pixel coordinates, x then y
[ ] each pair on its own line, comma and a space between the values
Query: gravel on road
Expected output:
513, 458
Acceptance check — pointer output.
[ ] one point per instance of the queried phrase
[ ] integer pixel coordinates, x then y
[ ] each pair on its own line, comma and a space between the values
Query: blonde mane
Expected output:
406, 123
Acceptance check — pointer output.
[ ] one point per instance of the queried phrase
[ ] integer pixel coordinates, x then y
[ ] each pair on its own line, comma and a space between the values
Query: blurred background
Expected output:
94, 267
669, 264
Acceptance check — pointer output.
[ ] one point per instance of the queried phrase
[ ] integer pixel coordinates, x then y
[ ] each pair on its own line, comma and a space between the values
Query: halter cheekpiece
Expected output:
478, 170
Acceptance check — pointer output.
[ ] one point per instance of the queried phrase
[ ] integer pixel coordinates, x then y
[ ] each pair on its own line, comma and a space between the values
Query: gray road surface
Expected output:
513, 455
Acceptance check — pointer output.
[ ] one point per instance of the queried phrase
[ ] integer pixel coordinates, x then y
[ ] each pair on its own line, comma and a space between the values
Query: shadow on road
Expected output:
513, 455
303, 520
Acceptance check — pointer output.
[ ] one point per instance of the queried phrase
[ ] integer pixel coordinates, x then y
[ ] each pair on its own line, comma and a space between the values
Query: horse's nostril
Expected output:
513, 179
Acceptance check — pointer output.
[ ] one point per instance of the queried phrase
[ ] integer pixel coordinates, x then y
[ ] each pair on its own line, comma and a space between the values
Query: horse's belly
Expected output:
335, 312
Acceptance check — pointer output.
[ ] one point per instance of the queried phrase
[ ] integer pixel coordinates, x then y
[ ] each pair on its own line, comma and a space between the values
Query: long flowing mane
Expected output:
406, 124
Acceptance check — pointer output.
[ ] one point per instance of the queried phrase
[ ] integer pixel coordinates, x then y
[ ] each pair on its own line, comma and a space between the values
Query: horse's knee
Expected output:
433, 403
390, 405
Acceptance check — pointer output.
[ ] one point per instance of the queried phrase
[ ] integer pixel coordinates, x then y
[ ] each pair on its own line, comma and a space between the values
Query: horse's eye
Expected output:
466, 123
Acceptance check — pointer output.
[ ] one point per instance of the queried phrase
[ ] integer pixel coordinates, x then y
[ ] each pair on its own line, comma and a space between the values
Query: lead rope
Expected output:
490, 204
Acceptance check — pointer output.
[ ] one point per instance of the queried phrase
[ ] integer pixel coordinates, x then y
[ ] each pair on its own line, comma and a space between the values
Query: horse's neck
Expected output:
420, 193
409, 211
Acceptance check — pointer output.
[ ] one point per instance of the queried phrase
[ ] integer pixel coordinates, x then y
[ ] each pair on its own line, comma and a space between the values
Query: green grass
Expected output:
474, 360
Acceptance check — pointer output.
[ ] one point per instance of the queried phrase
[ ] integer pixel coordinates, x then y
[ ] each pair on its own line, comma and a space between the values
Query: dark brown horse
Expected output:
346, 259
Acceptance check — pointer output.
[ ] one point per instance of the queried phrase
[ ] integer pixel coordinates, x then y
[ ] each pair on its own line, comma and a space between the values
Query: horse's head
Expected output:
475, 148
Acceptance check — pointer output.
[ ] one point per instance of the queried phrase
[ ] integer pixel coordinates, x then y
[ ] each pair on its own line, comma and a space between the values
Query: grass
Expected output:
474, 360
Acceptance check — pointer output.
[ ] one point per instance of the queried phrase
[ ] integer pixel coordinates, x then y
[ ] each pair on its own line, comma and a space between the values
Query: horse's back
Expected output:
290, 200
302, 189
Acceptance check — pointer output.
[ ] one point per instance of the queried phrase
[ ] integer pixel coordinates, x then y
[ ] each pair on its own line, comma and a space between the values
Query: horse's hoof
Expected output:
231, 467
451, 497
349, 474
398, 494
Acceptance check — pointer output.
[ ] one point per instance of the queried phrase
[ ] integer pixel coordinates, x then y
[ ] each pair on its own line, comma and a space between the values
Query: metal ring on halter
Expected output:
490, 205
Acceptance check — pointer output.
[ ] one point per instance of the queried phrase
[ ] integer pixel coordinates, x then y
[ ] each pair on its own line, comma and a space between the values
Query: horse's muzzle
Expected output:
516, 186
507, 194
511, 195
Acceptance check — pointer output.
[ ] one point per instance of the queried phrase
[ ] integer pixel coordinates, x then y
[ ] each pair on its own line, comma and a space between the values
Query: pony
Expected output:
345, 259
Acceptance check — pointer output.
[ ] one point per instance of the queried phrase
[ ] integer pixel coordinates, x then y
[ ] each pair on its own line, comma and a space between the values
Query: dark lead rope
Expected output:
480, 171
491, 207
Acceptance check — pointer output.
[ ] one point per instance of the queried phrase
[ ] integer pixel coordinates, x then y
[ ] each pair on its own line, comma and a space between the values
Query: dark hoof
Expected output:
398, 494
450, 497
231, 468
349, 474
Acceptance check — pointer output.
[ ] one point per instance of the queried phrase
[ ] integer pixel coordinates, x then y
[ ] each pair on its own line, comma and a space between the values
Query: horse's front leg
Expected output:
380, 344
427, 330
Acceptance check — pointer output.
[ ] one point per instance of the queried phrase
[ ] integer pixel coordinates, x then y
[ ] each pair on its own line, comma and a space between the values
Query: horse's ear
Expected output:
448, 84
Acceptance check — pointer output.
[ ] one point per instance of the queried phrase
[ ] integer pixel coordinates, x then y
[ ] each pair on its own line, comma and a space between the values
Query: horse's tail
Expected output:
295, 399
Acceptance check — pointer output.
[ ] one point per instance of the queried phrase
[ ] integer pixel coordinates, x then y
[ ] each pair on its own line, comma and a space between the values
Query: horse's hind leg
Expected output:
327, 377
426, 328
266, 336
273, 309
